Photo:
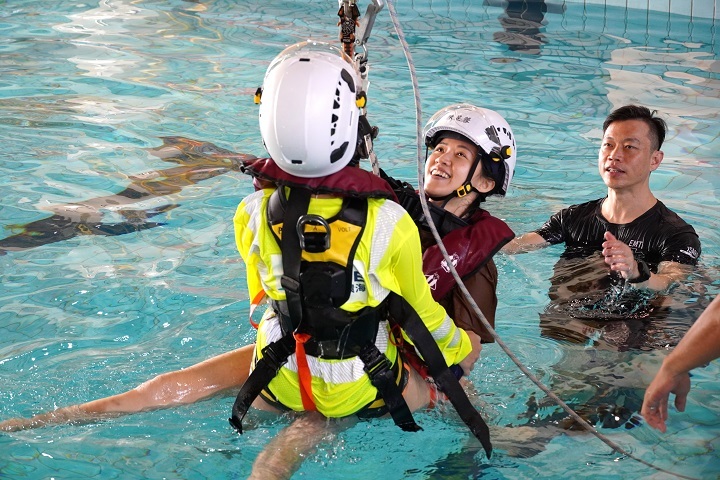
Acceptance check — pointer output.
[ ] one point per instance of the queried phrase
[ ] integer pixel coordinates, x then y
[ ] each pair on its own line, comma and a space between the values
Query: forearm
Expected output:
525, 243
700, 345
656, 282
668, 273
409, 281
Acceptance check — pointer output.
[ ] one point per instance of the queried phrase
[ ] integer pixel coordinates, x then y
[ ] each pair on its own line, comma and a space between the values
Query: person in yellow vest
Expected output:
322, 242
472, 155
456, 148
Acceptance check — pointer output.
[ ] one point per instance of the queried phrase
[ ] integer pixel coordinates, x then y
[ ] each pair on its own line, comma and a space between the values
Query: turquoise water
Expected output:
86, 90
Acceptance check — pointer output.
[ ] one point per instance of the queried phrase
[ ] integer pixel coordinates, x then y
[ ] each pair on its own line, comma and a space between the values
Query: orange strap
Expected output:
304, 371
253, 305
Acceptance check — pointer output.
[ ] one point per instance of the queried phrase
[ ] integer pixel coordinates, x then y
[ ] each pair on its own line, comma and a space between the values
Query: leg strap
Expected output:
379, 369
402, 313
274, 356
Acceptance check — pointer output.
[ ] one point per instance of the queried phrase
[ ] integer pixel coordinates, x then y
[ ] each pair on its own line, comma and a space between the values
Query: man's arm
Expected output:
525, 243
619, 256
700, 345
667, 274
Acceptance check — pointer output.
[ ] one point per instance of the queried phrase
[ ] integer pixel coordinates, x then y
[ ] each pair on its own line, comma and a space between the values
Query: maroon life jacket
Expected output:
350, 181
469, 248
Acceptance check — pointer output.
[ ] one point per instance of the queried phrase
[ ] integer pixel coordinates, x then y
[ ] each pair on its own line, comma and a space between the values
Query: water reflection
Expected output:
611, 334
523, 23
593, 307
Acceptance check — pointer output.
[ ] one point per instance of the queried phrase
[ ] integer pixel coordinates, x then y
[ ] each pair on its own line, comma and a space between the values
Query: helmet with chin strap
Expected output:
308, 110
485, 128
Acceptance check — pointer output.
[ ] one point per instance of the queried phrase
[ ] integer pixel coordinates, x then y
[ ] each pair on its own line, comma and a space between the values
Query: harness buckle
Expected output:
290, 284
375, 363
313, 241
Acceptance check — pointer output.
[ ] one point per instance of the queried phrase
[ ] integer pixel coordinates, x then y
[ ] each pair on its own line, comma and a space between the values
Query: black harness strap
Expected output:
277, 353
274, 356
379, 369
298, 203
404, 315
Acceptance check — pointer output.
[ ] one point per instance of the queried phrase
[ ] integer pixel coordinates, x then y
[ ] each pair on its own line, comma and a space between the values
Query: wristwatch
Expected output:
644, 275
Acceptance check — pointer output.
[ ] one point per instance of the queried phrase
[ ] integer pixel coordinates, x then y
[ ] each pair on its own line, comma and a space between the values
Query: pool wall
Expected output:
692, 8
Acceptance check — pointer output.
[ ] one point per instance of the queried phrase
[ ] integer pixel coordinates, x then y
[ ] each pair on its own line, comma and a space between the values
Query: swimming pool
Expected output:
87, 89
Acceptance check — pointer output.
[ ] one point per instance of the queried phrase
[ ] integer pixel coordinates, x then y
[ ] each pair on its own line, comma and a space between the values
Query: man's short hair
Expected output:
657, 125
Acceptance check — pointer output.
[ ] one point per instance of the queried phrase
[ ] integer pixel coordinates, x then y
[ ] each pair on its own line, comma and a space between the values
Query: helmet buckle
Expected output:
464, 190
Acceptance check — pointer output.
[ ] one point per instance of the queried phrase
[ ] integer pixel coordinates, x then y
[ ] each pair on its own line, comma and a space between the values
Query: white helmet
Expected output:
308, 110
485, 128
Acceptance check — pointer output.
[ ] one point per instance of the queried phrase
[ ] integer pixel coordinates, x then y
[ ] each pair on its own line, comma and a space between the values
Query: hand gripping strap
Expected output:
404, 315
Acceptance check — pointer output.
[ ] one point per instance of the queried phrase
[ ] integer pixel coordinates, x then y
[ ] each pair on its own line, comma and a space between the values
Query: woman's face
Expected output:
448, 165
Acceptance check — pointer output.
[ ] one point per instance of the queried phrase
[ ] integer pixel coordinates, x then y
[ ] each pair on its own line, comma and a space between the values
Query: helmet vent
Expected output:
345, 75
338, 153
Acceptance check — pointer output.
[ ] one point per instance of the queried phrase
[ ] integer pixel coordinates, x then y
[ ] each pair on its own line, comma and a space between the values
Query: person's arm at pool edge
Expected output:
700, 345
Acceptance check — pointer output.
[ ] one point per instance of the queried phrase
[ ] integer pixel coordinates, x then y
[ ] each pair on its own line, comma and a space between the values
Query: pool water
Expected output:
90, 93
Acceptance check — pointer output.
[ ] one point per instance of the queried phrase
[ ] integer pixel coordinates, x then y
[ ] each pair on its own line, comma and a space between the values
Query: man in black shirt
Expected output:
640, 238
622, 254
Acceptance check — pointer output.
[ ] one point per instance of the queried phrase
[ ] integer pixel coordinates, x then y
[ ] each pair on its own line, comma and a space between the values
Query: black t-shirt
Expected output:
583, 288
656, 236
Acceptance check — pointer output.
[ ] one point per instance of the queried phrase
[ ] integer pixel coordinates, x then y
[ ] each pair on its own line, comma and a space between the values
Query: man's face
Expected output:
627, 155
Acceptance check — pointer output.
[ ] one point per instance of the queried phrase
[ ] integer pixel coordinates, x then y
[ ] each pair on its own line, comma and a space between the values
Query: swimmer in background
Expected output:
198, 161
644, 247
641, 240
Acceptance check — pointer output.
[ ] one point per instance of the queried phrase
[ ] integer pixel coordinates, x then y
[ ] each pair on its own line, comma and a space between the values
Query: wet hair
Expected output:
657, 125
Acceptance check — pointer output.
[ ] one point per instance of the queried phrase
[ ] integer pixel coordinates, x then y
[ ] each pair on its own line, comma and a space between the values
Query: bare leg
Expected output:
417, 393
215, 375
286, 452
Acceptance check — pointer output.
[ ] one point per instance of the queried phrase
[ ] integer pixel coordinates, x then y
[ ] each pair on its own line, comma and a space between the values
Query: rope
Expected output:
476, 309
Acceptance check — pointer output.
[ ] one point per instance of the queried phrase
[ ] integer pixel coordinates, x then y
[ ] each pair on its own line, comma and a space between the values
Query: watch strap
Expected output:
644, 274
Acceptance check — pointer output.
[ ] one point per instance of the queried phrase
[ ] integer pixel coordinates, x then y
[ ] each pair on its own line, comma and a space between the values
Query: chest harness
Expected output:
317, 256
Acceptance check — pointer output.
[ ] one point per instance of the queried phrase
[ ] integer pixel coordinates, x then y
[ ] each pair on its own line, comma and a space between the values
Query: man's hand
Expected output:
619, 257
655, 403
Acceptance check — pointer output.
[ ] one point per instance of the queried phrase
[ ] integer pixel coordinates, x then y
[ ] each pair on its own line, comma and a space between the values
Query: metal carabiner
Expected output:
314, 241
